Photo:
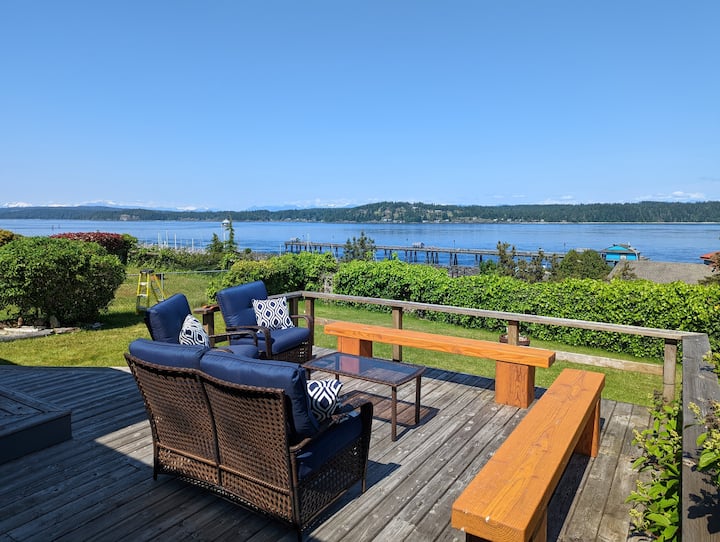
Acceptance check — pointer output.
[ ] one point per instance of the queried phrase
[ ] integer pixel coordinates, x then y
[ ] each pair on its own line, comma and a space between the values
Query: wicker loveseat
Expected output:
243, 428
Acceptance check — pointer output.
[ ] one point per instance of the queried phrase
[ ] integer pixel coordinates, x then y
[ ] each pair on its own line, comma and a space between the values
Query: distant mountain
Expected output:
400, 212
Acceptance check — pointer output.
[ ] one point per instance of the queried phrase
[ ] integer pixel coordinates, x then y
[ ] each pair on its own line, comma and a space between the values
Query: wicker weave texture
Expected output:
235, 441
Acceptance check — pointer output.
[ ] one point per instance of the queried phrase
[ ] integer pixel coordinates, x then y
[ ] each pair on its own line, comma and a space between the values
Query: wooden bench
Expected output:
508, 498
514, 365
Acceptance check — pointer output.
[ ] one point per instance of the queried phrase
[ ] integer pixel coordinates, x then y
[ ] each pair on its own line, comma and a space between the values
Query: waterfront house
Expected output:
620, 252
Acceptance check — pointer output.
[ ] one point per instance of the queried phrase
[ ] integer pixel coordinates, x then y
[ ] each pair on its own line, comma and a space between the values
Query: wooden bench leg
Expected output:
540, 534
589, 443
359, 347
514, 384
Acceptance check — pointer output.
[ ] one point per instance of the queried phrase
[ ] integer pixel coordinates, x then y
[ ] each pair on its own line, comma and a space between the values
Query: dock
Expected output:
417, 252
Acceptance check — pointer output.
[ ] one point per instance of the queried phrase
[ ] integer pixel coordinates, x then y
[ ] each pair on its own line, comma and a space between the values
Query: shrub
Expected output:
42, 277
286, 273
6, 236
168, 259
118, 244
656, 502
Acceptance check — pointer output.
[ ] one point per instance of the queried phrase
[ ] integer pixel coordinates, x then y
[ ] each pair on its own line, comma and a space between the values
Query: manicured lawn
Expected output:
121, 325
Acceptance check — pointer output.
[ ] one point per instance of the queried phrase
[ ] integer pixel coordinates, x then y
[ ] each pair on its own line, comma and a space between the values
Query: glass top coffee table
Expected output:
380, 371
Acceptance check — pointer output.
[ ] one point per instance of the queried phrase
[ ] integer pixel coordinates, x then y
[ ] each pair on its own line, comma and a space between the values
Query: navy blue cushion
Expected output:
290, 377
168, 354
165, 319
236, 303
245, 350
317, 453
282, 339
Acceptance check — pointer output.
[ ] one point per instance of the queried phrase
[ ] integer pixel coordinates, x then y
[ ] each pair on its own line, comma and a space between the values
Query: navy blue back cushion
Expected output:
165, 320
168, 354
289, 377
236, 303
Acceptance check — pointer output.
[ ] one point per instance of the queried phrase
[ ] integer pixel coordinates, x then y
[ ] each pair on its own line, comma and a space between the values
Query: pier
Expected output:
416, 253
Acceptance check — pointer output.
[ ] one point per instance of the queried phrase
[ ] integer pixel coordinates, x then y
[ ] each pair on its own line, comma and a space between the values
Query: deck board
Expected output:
99, 485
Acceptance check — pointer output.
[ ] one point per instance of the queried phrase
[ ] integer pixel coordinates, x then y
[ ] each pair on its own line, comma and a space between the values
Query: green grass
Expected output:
121, 324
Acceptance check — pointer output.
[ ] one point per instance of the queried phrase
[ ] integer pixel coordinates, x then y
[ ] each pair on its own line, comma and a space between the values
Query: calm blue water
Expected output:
659, 242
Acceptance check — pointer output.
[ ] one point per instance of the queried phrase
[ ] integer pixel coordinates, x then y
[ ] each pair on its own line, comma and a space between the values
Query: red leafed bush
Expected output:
114, 243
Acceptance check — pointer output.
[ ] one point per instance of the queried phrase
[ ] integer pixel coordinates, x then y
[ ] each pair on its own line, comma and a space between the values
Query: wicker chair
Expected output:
291, 343
258, 446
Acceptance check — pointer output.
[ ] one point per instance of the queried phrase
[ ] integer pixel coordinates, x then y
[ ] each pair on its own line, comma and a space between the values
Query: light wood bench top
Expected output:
508, 498
524, 355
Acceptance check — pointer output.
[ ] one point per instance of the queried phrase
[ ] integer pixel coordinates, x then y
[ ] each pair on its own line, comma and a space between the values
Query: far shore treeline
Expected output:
402, 212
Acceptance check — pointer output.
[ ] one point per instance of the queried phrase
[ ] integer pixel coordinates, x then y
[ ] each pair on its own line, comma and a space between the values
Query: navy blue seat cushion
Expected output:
290, 377
168, 354
236, 303
320, 450
245, 350
165, 319
281, 339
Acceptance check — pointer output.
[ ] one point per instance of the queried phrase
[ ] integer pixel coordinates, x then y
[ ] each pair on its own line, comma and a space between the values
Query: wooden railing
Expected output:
700, 511
670, 337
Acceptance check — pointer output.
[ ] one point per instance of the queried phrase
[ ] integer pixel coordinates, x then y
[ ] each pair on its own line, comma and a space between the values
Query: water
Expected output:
660, 242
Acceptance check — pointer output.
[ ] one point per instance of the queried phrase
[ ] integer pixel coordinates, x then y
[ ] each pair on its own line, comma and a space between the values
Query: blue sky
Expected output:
242, 104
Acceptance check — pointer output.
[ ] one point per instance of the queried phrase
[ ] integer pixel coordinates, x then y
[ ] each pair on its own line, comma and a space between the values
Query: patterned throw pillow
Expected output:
192, 332
272, 313
323, 397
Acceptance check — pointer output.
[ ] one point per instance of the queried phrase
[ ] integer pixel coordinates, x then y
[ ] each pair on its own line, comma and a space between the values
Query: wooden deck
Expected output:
99, 486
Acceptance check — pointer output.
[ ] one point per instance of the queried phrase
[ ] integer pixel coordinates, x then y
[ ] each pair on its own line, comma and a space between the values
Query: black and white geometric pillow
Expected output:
192, 332
323, 397
272, 313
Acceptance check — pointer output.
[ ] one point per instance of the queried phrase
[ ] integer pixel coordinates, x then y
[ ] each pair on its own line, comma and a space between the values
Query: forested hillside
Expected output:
648, 211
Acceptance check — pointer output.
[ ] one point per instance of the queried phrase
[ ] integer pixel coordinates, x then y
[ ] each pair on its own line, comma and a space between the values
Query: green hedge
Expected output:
641, 303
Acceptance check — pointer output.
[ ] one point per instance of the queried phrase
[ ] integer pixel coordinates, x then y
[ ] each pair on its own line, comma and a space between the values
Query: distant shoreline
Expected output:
400, 213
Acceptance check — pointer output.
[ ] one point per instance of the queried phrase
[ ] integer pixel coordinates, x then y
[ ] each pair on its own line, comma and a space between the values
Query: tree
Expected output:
587, 264
216, 246
506, 260
230, 244
533, 270
359, 249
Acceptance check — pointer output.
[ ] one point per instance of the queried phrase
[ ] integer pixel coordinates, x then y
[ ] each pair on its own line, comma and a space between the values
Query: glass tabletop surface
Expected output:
373, 369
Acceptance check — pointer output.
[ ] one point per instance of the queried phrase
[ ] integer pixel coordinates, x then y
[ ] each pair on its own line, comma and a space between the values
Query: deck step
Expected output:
28, 425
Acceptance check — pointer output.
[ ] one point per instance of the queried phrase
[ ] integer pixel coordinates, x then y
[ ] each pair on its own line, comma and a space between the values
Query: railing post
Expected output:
310, 311
310, 307
513, 332
669, 369
397, 316
208, 321
293, 305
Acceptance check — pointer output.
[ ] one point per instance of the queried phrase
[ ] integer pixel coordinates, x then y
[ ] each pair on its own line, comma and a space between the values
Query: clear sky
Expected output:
243, 104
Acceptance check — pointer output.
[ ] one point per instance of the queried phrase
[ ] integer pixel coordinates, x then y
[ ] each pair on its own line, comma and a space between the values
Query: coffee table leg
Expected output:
393, 414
